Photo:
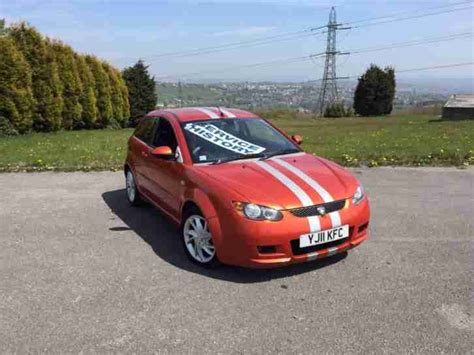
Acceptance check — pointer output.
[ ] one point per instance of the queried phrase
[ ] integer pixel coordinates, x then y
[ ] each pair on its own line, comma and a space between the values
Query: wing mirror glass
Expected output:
297, 139
163, 152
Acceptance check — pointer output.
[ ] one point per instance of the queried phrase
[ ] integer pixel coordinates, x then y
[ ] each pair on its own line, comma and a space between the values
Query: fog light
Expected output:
267, 249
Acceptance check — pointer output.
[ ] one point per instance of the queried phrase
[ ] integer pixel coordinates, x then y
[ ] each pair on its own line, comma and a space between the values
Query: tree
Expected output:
141, 91
102, 92
126, 103
46, 86
71, 84
16, 97
115, 94
3, 29
87, 99
375, 92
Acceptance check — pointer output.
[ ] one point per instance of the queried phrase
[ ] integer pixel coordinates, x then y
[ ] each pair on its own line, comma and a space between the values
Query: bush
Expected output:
338, 110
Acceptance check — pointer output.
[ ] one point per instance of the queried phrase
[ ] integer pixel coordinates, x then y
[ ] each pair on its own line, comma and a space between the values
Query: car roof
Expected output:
189, 114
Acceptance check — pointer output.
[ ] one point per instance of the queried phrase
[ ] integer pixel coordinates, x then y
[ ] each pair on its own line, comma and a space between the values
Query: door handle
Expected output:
144, 154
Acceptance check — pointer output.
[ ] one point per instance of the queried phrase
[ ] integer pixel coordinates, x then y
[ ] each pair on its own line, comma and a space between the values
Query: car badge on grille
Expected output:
321, 210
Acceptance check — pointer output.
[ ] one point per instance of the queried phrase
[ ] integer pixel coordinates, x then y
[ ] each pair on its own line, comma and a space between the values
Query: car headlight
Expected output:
358, 195
257, 212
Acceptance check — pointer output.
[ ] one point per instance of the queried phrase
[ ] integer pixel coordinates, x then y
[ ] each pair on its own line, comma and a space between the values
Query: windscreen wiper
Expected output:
280, 152
240, 157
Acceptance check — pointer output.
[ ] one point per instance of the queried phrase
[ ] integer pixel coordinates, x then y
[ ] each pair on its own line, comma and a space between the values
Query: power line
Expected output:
299, 59
308, 32
416, 42
250, 43
370, 19
260, 64
443, 66
241, 46
413, 17
436, 67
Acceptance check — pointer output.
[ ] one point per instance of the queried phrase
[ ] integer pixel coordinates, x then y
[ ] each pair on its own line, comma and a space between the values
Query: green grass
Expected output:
400, 140
379, 141
65, 151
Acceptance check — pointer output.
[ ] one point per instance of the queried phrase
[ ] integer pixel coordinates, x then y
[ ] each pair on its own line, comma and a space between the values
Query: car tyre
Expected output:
197, 239
133, 195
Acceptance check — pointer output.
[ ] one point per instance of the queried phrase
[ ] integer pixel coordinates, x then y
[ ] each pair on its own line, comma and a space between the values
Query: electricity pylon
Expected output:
328, 94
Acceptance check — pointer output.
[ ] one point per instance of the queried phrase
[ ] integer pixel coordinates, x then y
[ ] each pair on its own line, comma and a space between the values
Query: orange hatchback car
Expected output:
242, 191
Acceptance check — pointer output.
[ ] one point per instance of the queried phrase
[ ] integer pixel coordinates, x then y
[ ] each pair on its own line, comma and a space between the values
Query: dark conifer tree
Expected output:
141, 91
375, 92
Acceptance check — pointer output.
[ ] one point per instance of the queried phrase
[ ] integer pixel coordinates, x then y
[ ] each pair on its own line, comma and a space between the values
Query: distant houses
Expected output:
459, 107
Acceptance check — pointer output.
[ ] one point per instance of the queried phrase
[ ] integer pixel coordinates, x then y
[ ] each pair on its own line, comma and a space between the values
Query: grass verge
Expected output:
411, 140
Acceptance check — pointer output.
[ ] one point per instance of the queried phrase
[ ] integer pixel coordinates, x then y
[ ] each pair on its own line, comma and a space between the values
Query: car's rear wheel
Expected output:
197, 239
133, 196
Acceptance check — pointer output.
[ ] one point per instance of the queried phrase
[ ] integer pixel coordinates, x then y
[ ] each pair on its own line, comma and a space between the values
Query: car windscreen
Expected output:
229, 139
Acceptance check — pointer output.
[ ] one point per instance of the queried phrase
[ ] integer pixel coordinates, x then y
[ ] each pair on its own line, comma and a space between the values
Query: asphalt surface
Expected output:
81, 271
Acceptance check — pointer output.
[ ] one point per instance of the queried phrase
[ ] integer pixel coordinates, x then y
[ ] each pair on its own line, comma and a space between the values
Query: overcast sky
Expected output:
123, 31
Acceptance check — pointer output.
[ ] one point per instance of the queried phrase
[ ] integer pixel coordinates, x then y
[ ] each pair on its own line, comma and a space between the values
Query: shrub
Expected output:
338, 110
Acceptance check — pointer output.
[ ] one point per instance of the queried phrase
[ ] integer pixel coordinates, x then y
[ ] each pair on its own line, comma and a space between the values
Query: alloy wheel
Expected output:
131, 187
198, 240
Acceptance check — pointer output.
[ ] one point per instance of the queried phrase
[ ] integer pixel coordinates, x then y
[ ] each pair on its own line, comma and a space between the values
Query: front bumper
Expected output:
238, 240
320, 254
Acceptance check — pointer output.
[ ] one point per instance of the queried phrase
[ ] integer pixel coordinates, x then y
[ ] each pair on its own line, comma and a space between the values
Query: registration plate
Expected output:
322, 237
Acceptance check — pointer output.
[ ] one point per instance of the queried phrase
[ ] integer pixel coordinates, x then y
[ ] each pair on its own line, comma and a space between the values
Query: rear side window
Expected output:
145, 129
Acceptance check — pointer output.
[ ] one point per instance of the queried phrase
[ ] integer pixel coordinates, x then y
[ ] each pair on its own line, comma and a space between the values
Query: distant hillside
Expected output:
191, 94
263, 95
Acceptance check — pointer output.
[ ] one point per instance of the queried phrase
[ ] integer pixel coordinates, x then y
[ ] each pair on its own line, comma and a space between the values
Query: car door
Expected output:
140, 150
164, 175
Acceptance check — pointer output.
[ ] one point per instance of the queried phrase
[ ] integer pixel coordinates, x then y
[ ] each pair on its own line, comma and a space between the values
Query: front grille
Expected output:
295, 245
313, 210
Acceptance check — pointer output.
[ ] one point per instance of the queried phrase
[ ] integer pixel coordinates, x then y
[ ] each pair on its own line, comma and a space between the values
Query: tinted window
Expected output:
165, 136
144, 130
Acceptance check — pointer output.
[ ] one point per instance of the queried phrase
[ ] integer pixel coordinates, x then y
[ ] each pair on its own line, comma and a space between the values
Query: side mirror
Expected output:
163, 152
297, 139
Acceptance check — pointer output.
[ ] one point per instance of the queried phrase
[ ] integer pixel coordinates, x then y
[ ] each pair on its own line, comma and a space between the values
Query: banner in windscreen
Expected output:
221, 138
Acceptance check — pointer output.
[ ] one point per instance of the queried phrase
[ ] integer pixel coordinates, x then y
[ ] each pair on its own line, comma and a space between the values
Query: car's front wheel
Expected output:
197, 240
133, 195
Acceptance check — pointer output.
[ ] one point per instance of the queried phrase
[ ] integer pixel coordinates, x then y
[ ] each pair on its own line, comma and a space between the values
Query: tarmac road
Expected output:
80, 270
